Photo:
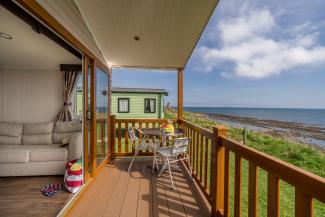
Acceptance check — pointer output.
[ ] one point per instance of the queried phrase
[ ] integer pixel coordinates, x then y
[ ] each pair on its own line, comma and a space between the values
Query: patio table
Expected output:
159, 132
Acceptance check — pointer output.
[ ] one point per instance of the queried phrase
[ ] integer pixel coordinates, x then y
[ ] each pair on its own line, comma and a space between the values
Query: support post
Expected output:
218, 172
244, 135
180, 94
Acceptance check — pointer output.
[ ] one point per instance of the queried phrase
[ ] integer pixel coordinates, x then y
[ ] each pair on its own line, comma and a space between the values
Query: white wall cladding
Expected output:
30, 95
1, 91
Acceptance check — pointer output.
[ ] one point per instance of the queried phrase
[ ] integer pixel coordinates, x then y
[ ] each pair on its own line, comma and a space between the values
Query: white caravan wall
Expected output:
1, 87
30, 95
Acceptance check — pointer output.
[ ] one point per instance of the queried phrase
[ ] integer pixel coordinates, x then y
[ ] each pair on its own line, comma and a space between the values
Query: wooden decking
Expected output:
115, 192
21, 196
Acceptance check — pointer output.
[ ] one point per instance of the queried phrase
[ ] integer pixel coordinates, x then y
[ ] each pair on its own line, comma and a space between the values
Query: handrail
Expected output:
307, 182
201, 130
131, 120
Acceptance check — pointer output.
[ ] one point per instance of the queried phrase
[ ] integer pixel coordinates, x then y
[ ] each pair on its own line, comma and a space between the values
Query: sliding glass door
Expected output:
95, 116
102, 109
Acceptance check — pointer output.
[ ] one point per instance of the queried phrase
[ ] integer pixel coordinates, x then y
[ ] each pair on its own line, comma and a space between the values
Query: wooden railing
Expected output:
210, 160
200, 152
120, 141
307, 185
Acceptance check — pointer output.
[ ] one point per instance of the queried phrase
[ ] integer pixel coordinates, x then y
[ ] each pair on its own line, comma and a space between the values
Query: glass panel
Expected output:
102, 115
150, 105
77, 99
123, 105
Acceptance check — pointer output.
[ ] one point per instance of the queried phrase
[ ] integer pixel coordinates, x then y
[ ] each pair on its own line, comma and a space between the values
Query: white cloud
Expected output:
235, 30
249, 43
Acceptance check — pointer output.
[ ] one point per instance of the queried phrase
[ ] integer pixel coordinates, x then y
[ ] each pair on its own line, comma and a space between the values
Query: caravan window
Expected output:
150, 105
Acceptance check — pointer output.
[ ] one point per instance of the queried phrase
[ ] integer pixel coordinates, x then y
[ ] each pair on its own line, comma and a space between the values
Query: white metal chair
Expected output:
141, 144
172, 154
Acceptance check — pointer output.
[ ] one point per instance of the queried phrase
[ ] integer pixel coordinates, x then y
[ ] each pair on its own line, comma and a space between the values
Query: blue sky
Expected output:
252, 54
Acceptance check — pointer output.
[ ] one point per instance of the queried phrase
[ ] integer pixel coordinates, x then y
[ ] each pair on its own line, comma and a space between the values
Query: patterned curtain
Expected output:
69, 84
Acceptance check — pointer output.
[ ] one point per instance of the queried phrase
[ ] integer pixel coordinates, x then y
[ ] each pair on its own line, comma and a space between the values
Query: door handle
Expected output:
89, 116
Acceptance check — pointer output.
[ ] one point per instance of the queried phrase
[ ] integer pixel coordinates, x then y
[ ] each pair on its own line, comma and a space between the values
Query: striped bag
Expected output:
73, 177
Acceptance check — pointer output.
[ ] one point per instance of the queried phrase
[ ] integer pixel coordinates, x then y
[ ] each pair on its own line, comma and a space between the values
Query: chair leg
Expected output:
170, 174
135, 154
157, 163
153, 163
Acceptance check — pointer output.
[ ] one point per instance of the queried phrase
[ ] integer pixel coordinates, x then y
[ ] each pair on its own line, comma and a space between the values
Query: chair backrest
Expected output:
132, 135
181, 145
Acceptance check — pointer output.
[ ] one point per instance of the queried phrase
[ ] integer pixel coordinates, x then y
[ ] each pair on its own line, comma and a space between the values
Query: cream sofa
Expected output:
33, 149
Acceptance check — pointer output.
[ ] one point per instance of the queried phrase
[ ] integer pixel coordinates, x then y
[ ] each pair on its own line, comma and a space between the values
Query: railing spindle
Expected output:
112, 135
273, 198
227, 184
252, 190
147, 137
238, 186
303, 204
133, 125
201, 158
197, 154
119, 137
206, 152
140, 127
192, 147
126, 137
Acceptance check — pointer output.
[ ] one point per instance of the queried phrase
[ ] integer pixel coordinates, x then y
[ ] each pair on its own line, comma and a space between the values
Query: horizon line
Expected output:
250, 107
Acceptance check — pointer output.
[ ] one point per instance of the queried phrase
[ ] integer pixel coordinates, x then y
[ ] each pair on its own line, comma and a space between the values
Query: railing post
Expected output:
112, 136
244, 135
218, 172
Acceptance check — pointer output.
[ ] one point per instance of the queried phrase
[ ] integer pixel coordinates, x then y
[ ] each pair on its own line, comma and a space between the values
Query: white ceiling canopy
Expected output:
146, 33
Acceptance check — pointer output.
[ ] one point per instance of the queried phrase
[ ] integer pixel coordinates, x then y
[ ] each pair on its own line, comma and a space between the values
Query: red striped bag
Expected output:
73, 177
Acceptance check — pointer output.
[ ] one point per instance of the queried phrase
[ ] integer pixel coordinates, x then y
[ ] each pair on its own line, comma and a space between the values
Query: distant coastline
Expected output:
301, 125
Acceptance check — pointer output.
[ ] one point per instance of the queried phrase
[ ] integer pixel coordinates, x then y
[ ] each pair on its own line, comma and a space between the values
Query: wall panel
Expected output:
31, 95
1, 87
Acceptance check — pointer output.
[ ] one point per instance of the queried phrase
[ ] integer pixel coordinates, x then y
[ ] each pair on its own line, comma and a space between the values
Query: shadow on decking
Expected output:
115, 192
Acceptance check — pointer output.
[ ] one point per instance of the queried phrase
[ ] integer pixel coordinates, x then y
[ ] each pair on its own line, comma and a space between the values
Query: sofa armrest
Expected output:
75, 147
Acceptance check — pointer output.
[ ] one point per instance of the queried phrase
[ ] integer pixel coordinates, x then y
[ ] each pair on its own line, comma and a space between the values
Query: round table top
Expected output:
159, 132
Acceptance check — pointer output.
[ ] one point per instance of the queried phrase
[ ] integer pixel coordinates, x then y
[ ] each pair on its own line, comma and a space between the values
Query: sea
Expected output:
310, 117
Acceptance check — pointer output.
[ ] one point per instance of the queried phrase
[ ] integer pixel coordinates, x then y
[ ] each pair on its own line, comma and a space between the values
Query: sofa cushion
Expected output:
58, 137
10, 133
32, 153
42, 139
48, 153
67, 127
10, 129
38, 128
14, 155
10, 140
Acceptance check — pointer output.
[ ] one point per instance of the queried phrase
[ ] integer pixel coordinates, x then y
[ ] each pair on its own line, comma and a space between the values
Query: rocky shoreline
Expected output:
297, 132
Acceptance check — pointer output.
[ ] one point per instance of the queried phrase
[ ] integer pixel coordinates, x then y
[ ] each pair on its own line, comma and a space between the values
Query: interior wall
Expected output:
1, 91
30, 95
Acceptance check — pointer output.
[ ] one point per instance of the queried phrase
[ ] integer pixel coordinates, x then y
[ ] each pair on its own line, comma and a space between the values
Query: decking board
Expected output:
115, 193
